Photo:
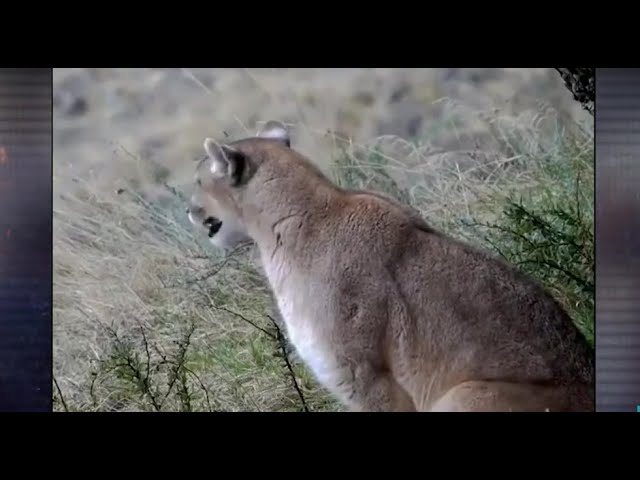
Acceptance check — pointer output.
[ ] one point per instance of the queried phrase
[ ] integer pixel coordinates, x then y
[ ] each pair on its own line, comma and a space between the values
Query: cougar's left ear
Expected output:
226, 161
276, 131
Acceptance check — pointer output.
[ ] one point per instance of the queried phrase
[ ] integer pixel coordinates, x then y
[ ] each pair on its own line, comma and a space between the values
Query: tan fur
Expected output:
389, 314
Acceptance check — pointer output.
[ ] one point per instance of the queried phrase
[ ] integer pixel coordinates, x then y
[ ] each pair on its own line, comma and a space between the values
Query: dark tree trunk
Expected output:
582, 84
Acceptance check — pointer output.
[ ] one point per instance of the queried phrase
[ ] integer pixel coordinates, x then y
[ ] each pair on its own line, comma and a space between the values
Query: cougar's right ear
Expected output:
276, 131
226, 161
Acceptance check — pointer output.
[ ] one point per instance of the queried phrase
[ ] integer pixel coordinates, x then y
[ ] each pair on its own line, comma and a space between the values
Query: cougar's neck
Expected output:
292, 221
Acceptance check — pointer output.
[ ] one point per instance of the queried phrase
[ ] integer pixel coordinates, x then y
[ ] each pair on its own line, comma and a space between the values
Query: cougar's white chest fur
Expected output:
303, 325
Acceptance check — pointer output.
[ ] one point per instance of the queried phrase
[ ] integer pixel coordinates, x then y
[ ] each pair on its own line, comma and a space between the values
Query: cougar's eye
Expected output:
213, 224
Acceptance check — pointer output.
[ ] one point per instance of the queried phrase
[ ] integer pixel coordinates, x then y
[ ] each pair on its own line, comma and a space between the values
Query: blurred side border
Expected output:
25, 239
617, 331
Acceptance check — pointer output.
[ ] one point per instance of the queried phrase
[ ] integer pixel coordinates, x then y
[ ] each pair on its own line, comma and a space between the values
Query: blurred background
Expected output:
147, 316
162, 115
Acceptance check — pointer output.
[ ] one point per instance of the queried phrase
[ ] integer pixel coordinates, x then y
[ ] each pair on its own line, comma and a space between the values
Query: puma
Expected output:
388, 313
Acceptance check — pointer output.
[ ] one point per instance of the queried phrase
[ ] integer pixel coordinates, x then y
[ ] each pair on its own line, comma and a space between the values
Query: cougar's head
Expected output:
221, 180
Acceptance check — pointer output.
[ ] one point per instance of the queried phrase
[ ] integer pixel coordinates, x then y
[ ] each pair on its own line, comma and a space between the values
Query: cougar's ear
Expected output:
226, 161
276, 131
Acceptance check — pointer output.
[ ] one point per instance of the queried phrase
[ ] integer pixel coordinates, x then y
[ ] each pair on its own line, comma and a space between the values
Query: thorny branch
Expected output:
64, 403
216, 268
283, 347
183, 346
146, 349
253, 324
278, 337
586, 286
132, 366
202, 385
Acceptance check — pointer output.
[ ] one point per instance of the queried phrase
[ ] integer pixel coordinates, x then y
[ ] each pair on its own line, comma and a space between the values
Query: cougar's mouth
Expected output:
213, 224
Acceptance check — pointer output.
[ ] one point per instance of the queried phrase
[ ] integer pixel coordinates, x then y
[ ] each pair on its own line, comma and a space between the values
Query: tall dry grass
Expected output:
148, 316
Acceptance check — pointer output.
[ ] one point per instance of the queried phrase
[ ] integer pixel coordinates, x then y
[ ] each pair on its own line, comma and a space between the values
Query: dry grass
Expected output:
148, 316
